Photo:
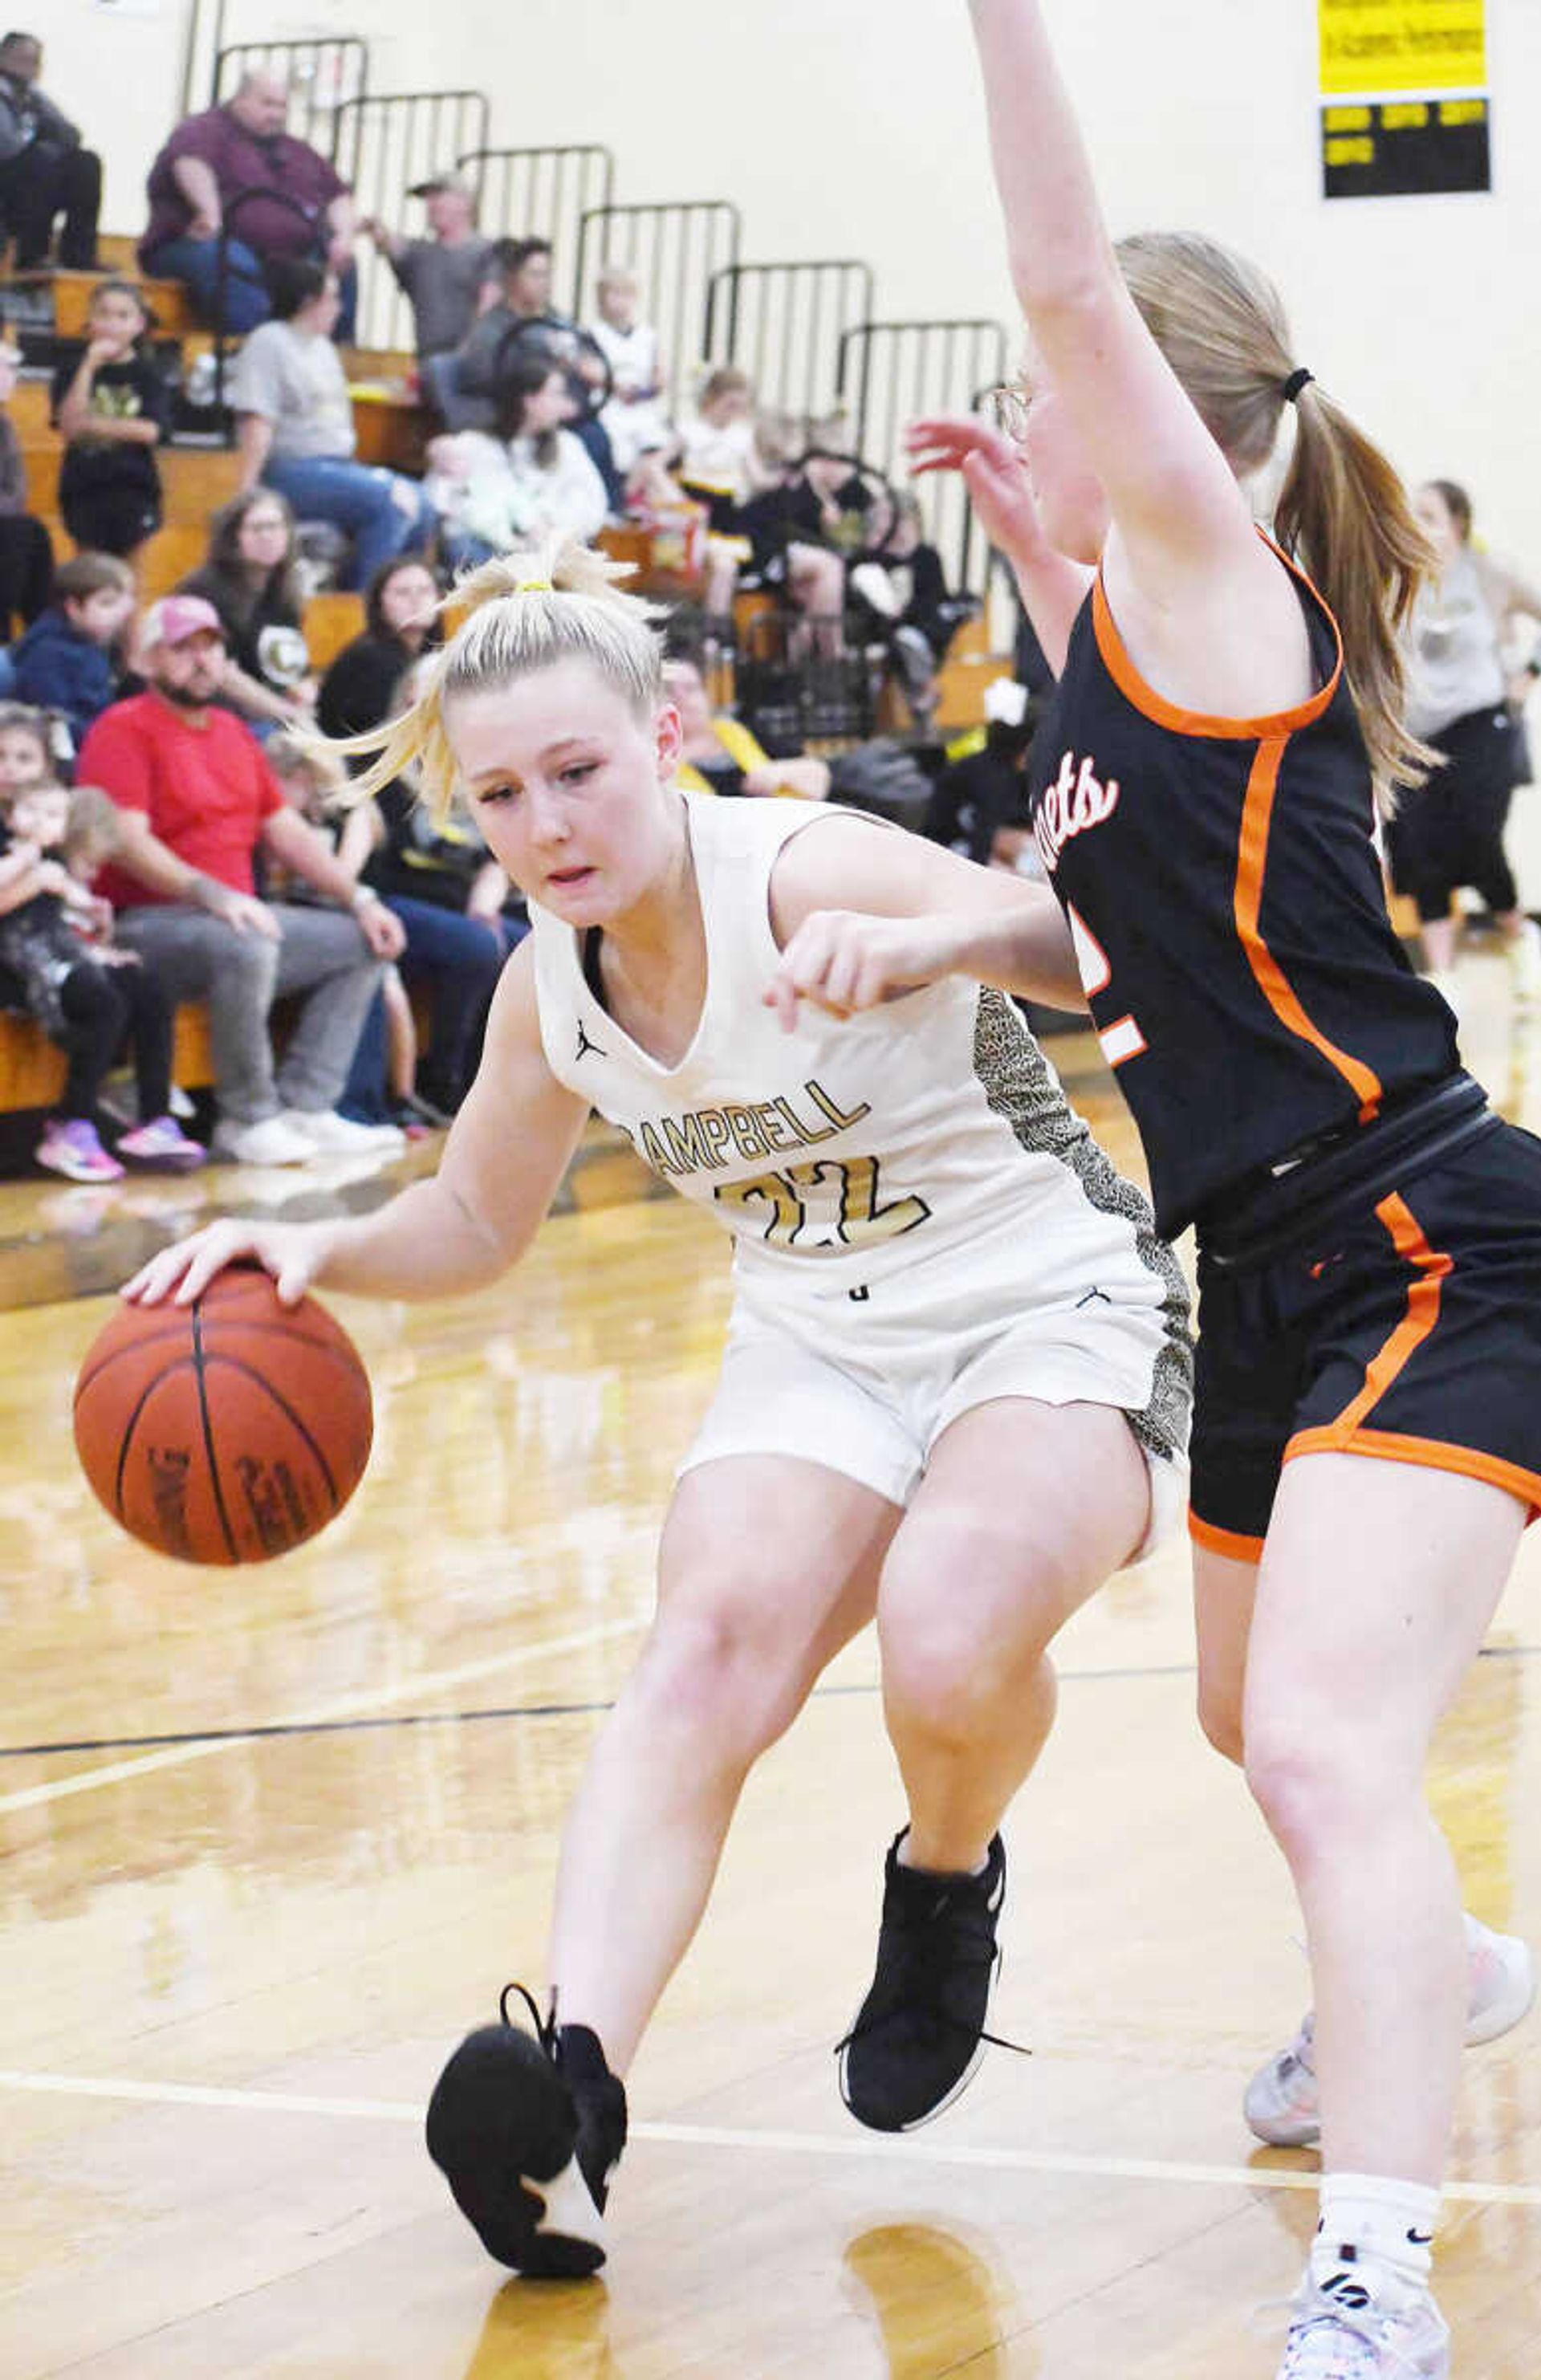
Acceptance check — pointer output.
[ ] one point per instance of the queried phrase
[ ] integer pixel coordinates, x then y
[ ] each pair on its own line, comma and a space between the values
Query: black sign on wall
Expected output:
1399, 148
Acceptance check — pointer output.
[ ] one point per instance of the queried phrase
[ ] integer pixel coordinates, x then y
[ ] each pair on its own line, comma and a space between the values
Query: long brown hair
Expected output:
1342, 511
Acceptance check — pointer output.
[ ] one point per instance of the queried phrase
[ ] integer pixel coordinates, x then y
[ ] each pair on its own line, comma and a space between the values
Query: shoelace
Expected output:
545, 2026
928, 1955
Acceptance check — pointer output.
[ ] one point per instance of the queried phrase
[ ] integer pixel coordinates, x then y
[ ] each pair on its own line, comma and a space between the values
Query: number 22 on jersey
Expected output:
827, 1204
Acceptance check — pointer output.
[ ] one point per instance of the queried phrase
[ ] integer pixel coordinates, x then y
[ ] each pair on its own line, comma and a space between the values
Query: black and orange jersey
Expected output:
1230, 928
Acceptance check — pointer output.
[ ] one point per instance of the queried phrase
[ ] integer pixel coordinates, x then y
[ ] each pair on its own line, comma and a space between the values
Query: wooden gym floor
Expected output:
275, 1840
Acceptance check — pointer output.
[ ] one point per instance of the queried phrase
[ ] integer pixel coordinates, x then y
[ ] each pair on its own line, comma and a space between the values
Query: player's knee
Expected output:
1310, 1775
965, 1623
721, 1676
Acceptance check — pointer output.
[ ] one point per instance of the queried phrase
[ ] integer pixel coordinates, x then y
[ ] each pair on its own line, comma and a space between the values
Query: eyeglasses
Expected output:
1006, 408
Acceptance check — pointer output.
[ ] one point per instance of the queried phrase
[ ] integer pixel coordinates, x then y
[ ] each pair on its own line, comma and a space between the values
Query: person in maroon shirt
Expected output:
199, 800
292, 202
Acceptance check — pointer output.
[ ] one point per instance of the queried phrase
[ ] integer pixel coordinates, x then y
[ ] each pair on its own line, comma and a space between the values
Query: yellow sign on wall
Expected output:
1390, 45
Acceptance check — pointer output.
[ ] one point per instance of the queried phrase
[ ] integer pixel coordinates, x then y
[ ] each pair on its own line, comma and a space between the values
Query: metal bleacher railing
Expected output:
381, 144
322, 75
891, 372
803, 331
783, 325
541, 193
674, 247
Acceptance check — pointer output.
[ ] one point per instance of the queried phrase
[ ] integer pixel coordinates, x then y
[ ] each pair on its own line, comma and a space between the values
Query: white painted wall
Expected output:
854, 127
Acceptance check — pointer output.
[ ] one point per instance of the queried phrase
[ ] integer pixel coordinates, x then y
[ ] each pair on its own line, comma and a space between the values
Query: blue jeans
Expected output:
195, 262
361, 500
462, 959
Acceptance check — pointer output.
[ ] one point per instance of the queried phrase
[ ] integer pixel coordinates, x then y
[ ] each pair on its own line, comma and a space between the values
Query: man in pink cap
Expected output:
199, 799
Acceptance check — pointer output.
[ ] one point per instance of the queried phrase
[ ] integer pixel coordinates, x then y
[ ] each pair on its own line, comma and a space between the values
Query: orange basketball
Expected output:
228, 1430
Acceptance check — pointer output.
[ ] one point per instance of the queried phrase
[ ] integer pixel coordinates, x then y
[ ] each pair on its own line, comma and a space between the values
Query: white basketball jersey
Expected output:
855, 1155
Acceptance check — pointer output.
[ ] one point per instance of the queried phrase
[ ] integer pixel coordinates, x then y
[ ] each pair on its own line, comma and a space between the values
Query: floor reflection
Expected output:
939, 2302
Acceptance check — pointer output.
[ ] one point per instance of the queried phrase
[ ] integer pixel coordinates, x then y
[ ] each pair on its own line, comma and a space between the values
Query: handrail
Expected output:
892, 371
784, 322
305, 63
675, 246
383, 143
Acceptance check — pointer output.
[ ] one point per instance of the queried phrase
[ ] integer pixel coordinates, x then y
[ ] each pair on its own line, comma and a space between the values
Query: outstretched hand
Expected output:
994, 473
292, 1253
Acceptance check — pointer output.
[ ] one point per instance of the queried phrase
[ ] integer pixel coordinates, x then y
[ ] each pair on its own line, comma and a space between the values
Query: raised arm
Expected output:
506, 1154
863, 913
1174, 499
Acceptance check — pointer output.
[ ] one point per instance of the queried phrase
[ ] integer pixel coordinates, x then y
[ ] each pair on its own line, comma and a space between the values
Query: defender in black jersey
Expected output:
1370, 1238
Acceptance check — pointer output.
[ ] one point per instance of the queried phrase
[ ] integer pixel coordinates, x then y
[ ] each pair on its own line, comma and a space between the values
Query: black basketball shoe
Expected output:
527, 2132
920, 2032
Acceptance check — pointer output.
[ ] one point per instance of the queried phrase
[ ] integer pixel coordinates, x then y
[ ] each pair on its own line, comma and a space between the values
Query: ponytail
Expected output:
1342, 512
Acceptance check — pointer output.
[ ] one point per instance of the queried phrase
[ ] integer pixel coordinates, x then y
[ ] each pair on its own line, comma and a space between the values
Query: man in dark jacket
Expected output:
45, 172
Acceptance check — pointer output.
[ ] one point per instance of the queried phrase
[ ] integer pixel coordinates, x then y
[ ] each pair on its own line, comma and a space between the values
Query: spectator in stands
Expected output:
304, 209
721, 756
470, 387
440, 881
45, 172
900, 599
980, 808
558, 487
445, 275
57, 953
249, 575
199, 801
112, 407
633, 419
755, 519
26, 550
294, 426
65, 663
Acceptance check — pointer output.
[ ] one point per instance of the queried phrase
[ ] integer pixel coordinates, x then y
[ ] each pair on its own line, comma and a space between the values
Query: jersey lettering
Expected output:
827, 1204
1077, 801
703, 1141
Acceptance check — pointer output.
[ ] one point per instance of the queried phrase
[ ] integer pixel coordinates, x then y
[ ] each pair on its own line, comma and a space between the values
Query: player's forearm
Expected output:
425, 1244
1059, 249
1024, 950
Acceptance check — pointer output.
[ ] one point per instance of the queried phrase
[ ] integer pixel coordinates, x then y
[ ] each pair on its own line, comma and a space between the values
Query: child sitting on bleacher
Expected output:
65, 663
632, 414
112, 407
58, 964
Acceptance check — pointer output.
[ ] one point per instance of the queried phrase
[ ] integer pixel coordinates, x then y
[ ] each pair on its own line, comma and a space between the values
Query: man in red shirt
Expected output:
198, 798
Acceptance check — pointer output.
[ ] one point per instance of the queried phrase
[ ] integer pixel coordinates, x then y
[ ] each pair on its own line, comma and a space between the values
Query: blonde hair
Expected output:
94, 831
1343, 512
522, 613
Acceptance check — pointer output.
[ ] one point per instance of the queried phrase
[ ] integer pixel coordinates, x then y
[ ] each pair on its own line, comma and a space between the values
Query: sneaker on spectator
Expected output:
73, 1149
328, 1134
162, 1142
268, 1142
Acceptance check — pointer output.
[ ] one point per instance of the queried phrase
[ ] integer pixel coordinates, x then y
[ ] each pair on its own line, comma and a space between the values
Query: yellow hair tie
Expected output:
534, 587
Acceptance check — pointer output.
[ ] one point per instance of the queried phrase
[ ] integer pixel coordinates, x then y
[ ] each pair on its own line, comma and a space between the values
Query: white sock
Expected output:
1377, 2233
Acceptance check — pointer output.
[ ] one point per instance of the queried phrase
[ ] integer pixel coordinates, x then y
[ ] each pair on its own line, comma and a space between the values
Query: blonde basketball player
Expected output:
955, 1390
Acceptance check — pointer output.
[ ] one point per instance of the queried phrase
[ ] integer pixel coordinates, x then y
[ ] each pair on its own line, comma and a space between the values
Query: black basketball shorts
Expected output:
1407, 1326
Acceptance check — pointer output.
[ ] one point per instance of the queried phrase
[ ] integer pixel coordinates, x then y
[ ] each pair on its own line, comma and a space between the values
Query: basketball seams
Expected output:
207, 1427
169, 1372
290, 1415
175, 1331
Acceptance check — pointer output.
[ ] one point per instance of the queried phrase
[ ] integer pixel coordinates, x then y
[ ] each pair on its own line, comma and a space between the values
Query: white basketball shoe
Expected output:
1282, 2105
1333, 2337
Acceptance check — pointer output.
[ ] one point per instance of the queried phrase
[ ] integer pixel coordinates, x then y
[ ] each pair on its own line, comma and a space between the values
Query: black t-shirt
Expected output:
131, 390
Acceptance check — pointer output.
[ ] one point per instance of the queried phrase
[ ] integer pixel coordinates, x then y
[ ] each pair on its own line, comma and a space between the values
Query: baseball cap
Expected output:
176, 617
448, 180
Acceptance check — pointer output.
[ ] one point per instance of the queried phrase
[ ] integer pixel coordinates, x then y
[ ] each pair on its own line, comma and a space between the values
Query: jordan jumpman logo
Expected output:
585, 1046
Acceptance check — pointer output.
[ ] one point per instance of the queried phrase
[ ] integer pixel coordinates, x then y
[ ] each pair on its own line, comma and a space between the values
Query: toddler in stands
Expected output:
58, 964
633, 415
